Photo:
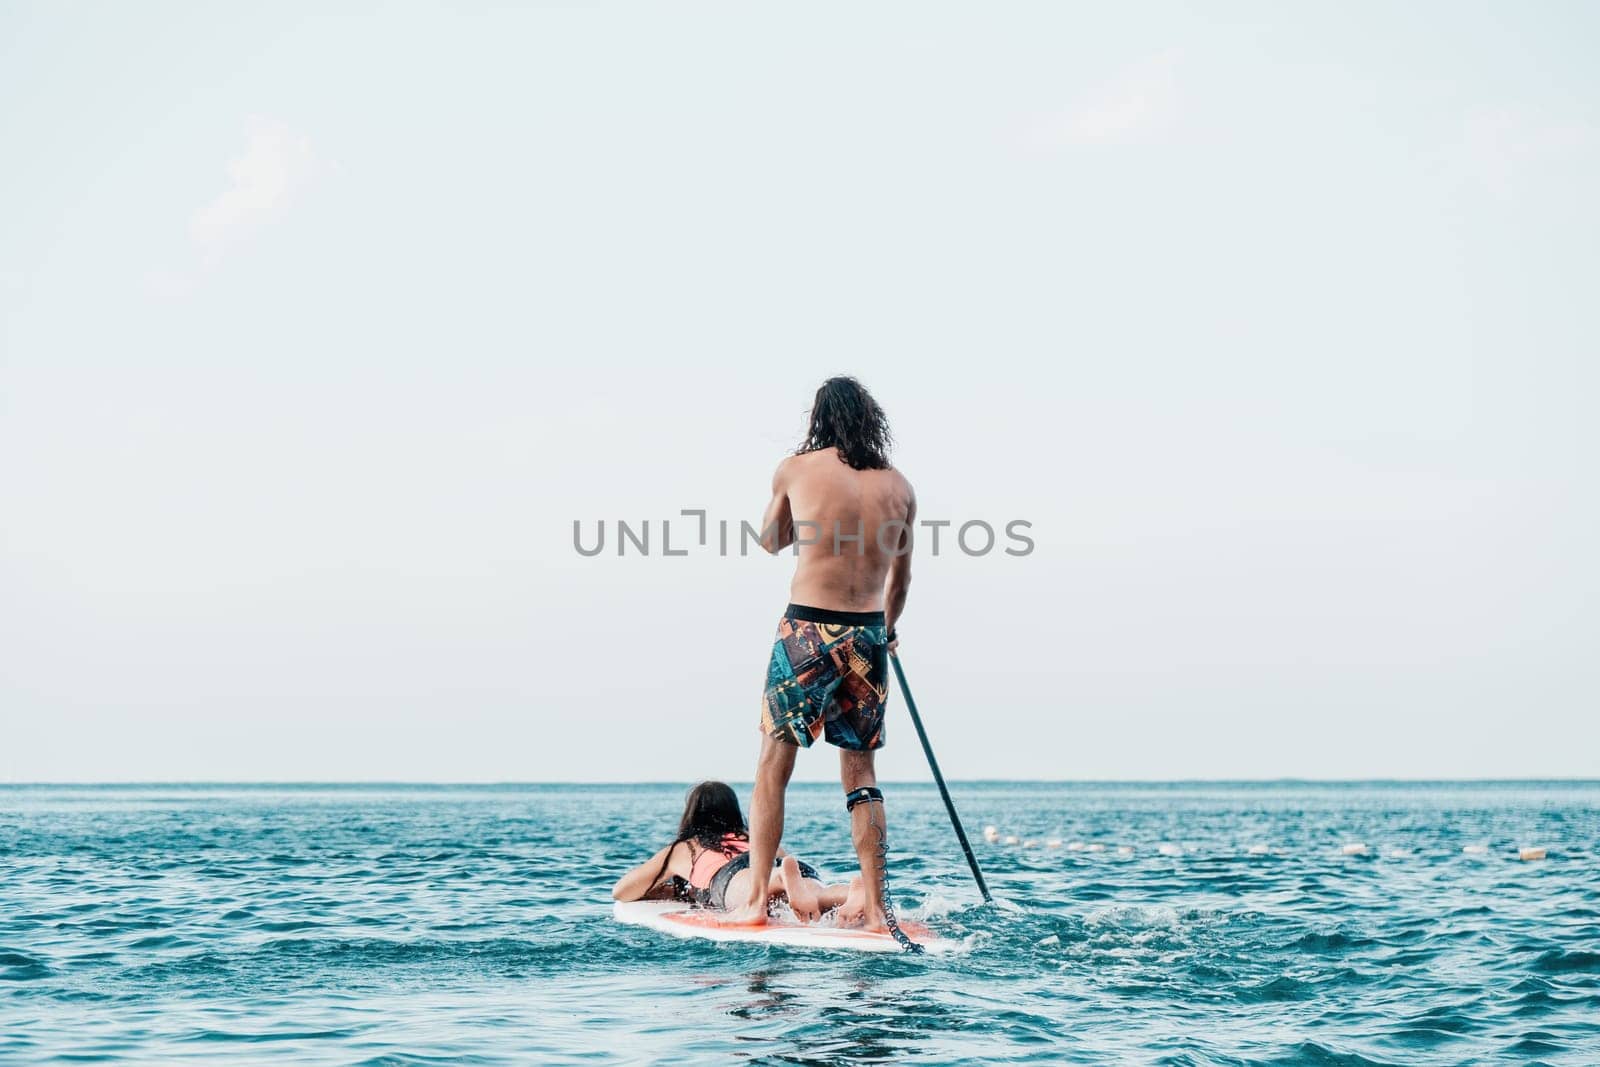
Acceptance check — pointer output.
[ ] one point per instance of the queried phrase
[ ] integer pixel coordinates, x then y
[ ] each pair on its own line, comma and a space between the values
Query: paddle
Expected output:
933, 765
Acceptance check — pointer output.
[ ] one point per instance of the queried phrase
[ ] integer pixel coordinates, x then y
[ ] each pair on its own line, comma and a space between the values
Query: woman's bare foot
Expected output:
801, 891
854, 908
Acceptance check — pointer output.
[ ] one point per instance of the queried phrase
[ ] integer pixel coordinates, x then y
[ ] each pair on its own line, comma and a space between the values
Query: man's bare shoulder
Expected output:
902, 482
788, 468
803, 465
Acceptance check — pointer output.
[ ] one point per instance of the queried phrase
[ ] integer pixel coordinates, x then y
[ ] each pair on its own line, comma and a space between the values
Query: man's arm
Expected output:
898, 583
777, 525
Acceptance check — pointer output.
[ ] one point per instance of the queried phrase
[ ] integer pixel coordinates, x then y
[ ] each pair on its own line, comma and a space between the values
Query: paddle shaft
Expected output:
933, 765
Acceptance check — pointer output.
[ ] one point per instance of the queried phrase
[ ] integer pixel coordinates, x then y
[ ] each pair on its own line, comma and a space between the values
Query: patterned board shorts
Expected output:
829, 678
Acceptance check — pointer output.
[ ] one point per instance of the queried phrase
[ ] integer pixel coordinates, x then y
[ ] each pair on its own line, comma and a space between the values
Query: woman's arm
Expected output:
643, 879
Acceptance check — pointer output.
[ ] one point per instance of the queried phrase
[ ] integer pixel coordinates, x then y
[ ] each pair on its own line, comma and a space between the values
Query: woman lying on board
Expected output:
709, 863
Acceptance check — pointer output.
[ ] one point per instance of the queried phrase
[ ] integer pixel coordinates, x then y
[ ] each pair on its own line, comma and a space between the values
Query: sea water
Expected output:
1171, 924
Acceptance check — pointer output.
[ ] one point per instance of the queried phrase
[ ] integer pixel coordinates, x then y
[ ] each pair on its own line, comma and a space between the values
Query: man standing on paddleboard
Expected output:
849, 515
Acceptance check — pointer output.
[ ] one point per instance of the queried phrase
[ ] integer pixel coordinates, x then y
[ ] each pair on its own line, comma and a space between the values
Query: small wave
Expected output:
1442, 1021
1329, 943
1316, 1054
1559, 960
1134, 916
1539, 1044
162, 941
20, 967
939, 906
1282, 987
267, 1036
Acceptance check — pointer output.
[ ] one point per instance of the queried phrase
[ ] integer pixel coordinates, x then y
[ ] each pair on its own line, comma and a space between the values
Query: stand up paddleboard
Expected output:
682, 920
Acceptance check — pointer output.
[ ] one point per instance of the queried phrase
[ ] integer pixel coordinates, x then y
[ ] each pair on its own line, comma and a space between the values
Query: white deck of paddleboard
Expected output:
666, 916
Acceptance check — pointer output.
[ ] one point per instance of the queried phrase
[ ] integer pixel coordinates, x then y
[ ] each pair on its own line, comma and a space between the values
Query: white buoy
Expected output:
1166, 848
991, 834
1097, 847
1124, 850
1030, 843
1075, 846
1475, 850
1530, 853
1355, 848
1259, 849
1395, 852
1013, 839
1054, 842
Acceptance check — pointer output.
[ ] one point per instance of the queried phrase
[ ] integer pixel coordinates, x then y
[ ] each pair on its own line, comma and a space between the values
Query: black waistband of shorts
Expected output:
802, 613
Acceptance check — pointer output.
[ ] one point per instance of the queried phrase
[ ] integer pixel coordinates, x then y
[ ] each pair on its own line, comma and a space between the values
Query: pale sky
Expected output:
1277, 321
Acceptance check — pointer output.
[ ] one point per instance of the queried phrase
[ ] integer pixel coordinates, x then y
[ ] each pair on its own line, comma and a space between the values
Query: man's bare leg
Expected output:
869, 830
773, 768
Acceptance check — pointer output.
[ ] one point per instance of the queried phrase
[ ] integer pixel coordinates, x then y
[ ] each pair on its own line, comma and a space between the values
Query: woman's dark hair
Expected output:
710, 811
844, 416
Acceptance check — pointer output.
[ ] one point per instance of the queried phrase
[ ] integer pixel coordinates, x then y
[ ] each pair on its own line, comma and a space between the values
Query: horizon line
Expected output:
510, 782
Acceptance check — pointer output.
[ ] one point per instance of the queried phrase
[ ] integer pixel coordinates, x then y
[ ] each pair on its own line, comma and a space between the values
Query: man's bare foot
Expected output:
802, 894
747, 914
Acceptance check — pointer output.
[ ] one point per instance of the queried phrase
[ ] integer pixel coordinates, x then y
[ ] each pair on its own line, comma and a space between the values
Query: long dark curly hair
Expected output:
710, 811
844, 416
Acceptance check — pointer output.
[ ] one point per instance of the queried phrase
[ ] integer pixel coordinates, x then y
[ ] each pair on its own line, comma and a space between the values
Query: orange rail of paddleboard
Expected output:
709, 920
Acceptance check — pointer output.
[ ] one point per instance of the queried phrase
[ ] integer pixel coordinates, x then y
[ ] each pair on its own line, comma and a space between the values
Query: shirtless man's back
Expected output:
849, 515
851, 525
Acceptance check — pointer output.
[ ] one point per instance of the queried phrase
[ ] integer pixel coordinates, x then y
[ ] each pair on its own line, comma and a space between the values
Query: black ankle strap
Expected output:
861, 796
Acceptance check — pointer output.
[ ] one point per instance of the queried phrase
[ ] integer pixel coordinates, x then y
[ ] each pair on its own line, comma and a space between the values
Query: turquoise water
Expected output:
393, 925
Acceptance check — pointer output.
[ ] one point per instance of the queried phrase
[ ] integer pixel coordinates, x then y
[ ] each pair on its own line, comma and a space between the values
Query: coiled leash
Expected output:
865, 795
